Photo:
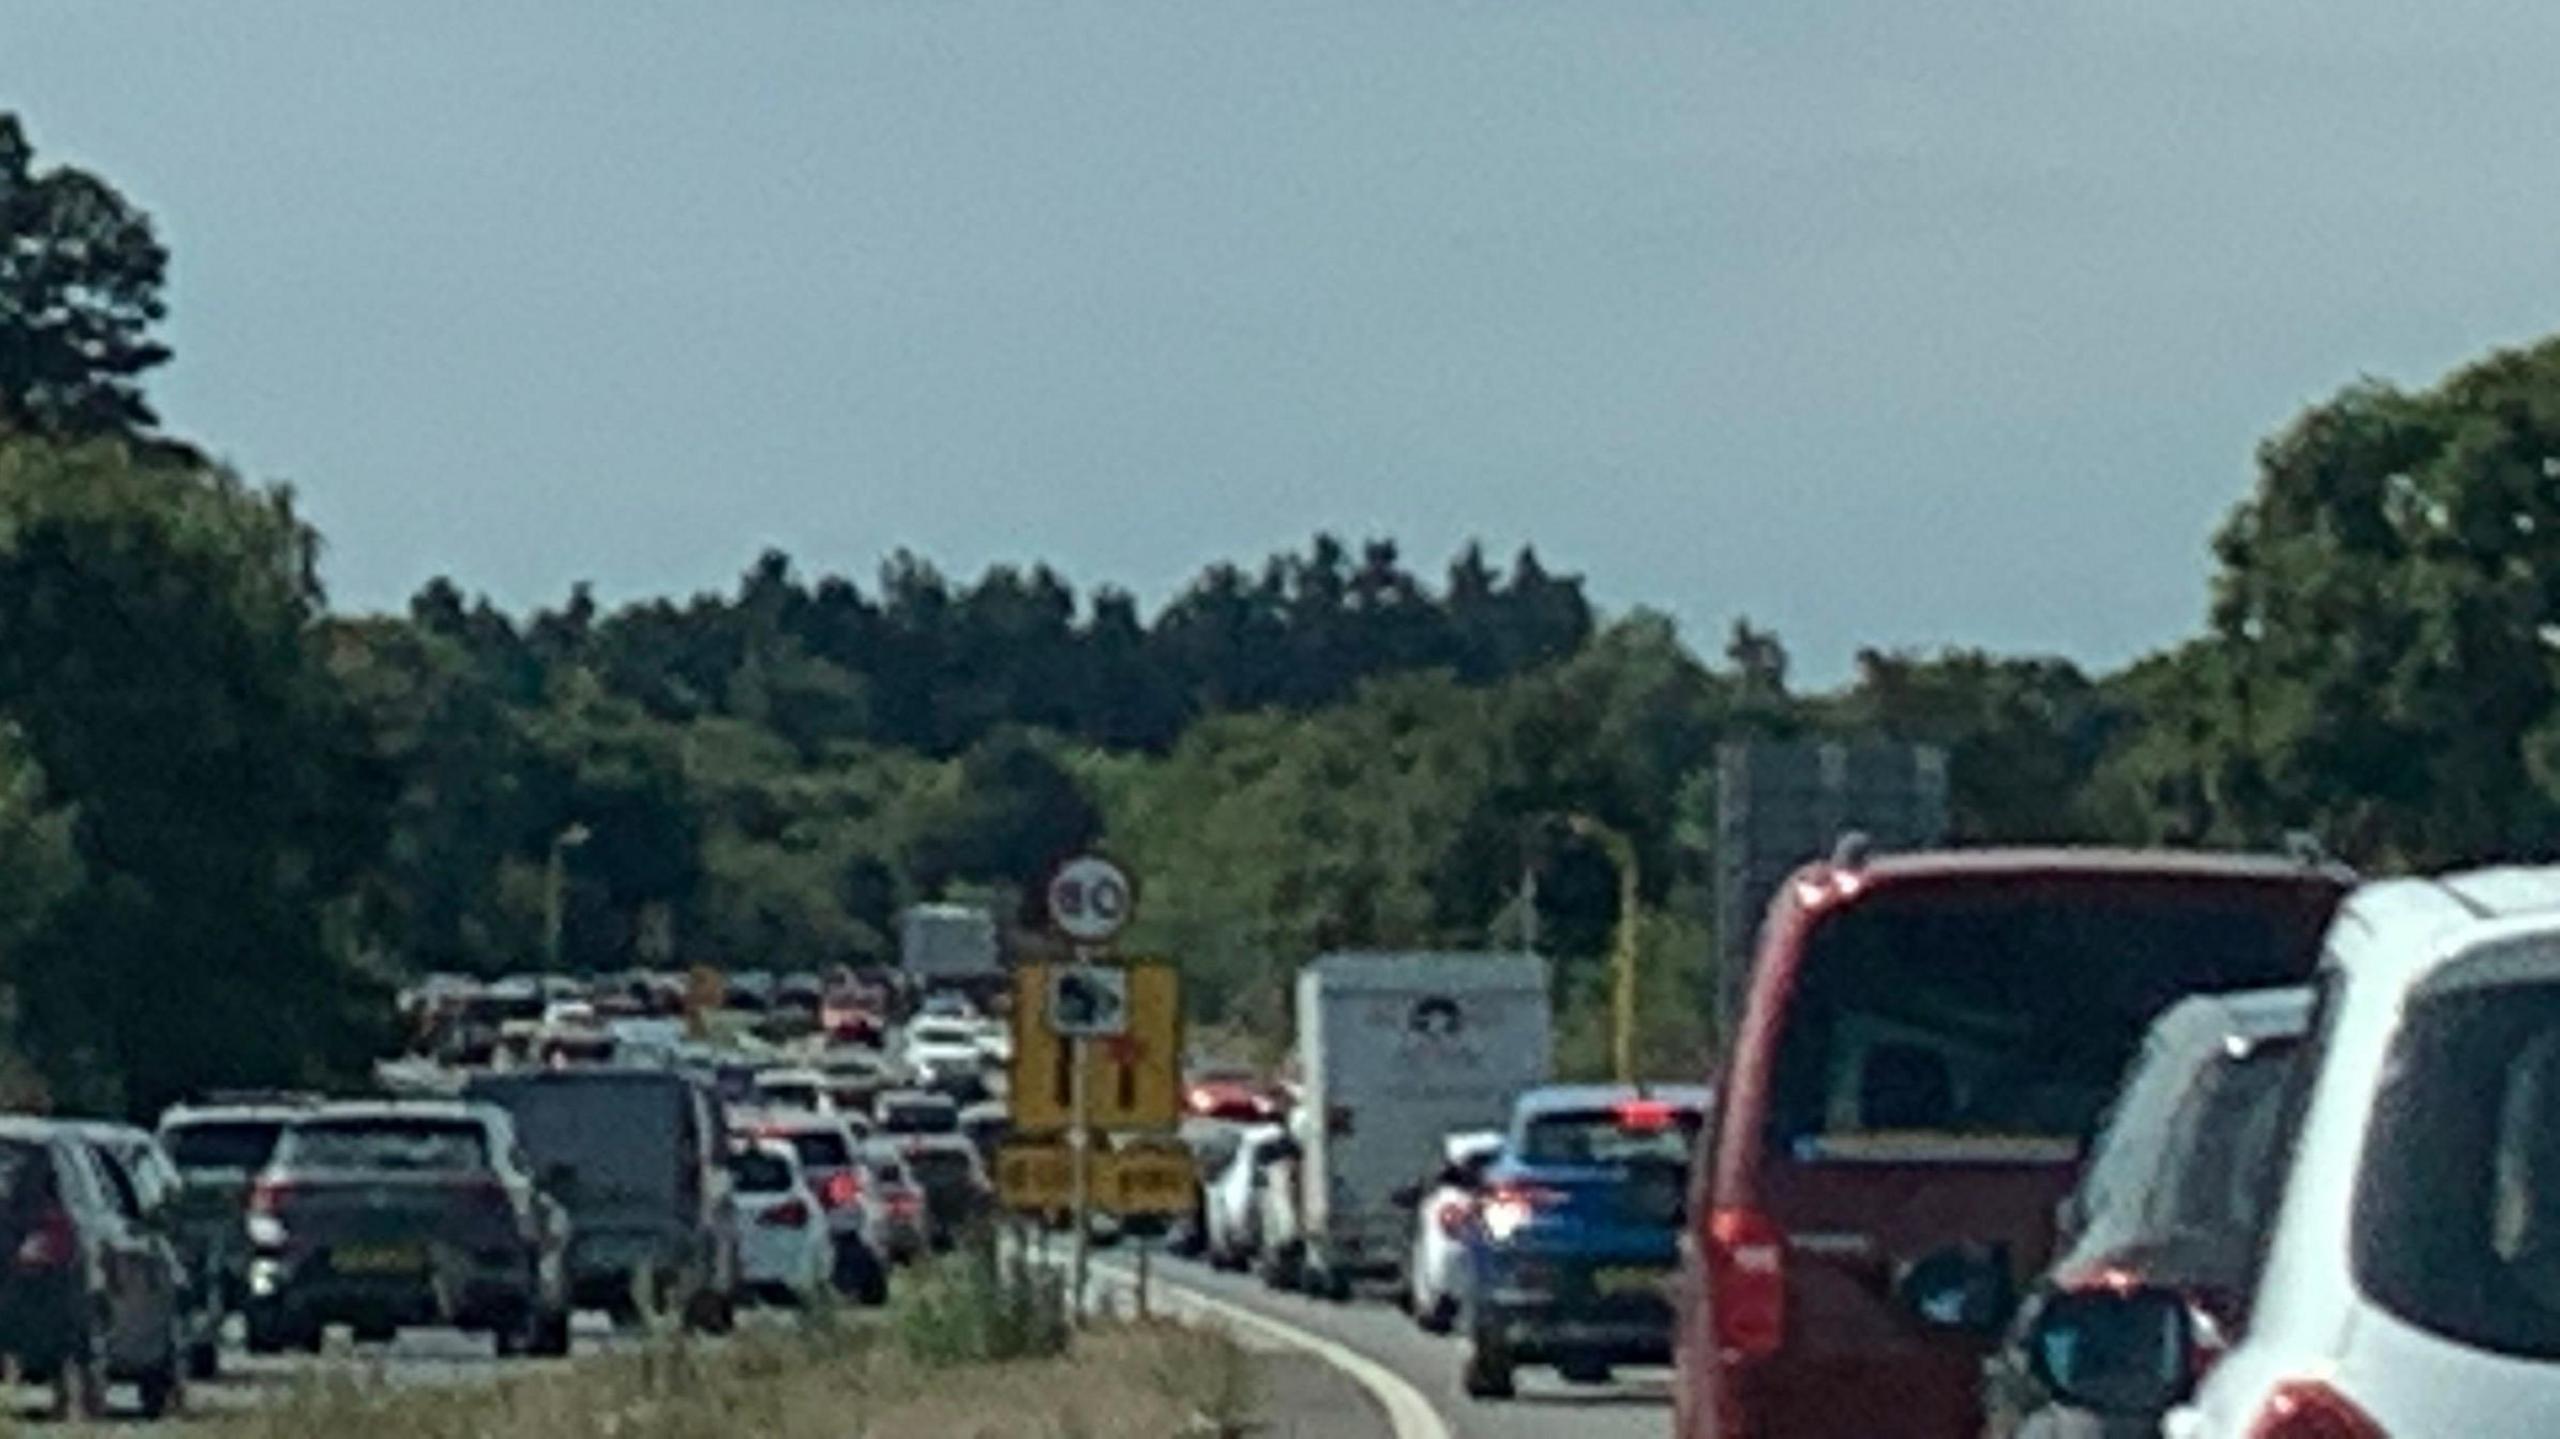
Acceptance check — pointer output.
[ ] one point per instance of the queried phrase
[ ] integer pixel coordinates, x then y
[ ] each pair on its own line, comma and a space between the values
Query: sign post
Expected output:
1090, 901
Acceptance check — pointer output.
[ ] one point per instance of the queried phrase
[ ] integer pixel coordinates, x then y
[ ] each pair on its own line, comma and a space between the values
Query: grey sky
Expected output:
1879, 323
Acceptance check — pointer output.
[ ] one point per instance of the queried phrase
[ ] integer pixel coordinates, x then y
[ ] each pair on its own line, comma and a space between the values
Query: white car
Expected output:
784, 1252
934, 1048
805, 1090
1233, 1206
2410, 1285
1444, 1206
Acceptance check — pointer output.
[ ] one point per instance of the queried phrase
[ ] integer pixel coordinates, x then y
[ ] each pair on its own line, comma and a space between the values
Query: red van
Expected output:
1925, 1042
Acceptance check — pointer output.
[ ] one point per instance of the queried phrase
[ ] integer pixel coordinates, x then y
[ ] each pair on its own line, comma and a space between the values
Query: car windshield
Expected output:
919, 1117
821, 1149
26, 1177
1625, 1134
1961, 1010
936, 1166
2457, 1213
224, 1144
395, 1145
2218, 1177
760, 1173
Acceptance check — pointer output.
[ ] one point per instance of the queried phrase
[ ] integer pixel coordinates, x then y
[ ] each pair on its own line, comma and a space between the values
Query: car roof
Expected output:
2242, 1021
361, 1111
28, 1127
1888, 867
790, 1121
2443, 915
1560, 1098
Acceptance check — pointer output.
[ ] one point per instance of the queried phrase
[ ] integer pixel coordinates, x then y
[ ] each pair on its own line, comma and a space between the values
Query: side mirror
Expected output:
2114, 1351
1406, 1197
1964, 1289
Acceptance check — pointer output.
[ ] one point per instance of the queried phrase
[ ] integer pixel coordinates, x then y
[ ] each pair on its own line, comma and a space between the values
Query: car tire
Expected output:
551, 1337
80, 1381
204, 1360
711, 1312
1585, 1371
1280, 1270
161, 1390
1439, 1315
375, 1332
1488, 1372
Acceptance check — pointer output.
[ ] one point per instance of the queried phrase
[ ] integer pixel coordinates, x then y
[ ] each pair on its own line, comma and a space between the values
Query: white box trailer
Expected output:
949, 944
1399, 1050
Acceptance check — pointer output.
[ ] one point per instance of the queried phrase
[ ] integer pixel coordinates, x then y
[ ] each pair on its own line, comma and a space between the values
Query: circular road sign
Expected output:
1091, 899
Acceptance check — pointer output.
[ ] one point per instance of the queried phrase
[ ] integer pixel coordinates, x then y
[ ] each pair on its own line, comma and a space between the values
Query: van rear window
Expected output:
2006, 1013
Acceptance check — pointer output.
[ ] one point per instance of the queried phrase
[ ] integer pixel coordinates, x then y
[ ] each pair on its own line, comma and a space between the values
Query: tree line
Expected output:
231, 818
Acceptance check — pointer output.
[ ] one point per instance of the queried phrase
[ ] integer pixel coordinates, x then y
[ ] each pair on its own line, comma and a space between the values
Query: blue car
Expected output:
1576, 1233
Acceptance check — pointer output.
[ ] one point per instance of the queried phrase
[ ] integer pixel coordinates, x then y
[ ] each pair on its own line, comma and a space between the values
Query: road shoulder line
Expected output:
1409, 1414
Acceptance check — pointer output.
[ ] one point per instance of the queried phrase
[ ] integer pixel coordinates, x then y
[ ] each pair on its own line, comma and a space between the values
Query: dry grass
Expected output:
1127, 1381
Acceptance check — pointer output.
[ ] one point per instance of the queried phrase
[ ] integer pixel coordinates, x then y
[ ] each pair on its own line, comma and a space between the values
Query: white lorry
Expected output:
1400, 1050
949, 944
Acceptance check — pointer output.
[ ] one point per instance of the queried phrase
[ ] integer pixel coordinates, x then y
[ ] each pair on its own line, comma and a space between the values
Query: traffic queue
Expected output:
2021, 1143
550, 1146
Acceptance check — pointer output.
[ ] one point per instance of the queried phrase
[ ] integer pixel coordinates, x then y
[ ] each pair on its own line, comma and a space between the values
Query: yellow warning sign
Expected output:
1134, 1081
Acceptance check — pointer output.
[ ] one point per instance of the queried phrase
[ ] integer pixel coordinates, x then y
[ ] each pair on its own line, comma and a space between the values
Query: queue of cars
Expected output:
602, 1163
2030, 1145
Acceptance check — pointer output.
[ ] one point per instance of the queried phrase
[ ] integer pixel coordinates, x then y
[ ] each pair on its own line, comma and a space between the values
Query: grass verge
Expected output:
819, 1379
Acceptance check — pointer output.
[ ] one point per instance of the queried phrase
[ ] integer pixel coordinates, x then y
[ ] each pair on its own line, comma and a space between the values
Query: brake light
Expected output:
789, 1214
2309, 1409
1645, 1115
841, 1191
1747, 1282
1509, 1208
1453, 1217
269, 1197
904, 1204
50, 1243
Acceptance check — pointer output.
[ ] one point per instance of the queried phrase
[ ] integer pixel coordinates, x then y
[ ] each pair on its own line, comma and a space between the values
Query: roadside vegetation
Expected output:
232, 817
1125, 1380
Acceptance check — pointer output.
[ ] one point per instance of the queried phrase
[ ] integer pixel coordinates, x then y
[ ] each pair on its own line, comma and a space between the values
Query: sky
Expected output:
1883, 324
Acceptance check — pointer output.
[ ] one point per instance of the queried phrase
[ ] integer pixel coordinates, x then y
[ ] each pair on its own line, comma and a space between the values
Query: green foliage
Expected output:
979, 1305
80, 277
161, 664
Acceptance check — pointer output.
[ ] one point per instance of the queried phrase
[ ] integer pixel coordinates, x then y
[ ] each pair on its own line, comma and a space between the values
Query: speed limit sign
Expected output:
1091, 899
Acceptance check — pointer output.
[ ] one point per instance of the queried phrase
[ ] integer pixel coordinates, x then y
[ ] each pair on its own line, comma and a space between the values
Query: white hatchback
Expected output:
784, 1252
2411, 1285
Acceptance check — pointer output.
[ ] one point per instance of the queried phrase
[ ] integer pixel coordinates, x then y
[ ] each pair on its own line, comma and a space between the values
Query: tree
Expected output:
80, 278
162, 658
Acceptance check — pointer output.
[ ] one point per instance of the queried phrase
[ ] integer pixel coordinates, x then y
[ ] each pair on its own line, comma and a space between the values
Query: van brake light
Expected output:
1747, 1282
1645, 1115
2309, 1409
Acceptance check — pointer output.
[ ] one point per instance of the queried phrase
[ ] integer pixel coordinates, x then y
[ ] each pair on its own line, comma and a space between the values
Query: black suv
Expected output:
2178, 1187
385, 1215
91, 1291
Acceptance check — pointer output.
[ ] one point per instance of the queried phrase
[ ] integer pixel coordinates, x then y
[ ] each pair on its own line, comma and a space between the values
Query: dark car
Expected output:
92, 1293
2180, 1184
161, 1192
957, 1192
1923, 1043
219, 1145
639, 1157
385, 1216
1576, 1234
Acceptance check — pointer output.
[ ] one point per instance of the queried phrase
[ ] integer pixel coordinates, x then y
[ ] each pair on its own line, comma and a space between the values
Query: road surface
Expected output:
1637, 1406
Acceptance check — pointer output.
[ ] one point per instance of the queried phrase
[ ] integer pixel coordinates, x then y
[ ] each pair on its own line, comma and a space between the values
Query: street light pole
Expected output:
554, 892
1624, 956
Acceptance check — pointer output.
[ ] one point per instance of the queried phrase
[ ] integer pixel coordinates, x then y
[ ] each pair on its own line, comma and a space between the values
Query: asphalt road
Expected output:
1636, 1406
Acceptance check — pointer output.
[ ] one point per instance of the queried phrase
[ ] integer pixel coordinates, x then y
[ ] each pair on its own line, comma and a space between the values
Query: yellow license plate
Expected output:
1611, 1283
378, 1259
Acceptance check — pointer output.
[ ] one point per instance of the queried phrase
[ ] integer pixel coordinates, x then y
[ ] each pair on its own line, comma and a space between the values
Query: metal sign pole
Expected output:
1146, 1247
1080, 1143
